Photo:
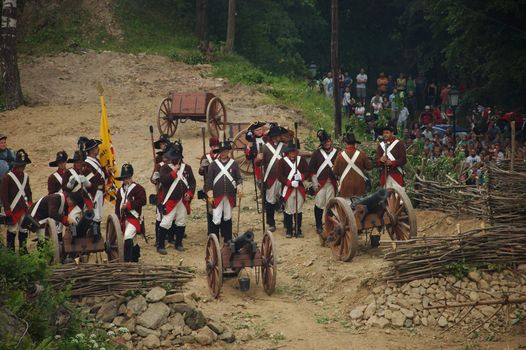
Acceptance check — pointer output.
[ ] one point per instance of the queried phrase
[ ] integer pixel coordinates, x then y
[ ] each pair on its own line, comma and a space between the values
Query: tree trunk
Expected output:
335, 70
9, 65
231, 27
201, 21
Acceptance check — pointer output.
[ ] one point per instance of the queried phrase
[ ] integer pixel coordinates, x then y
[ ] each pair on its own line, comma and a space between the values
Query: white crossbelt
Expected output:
259, 143
327, 162
276, 155
178, 179
21, 190
60, 209
291, 172
223, 171
96, 165
77, 179
388, 153
124, 196
351, 165
59, 179
209, 158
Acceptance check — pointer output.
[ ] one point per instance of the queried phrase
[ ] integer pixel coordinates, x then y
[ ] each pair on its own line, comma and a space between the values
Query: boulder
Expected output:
130, 324
482, 284
144, 332
137, 305
216, 327
227, 336
155, 316
119, 321
407, 313
195, 319
442, 321
398, 319
209, 332
151, 342
369, 310
474, 296
165, 329
182, 308
357, 313
474, 276
155, 294
174, 298
107, 311
187, 339
380, 322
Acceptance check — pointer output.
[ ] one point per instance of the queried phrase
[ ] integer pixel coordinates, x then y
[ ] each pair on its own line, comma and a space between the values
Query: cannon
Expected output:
238, 254
385, 210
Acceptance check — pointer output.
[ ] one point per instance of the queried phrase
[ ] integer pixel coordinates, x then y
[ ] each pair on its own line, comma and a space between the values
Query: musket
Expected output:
204, 174
296, 189
386, 146
263, 195
255, 182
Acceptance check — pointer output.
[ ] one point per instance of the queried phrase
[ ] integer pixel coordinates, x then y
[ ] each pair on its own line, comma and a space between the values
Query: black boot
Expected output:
22, 243
318, 216
171, 234
179, 235
157, 223
136, 253
226, 230
161, 242
95, 230
128, 250
11, 236
299, 233
287, 222
270, 209
210, 224
375, 241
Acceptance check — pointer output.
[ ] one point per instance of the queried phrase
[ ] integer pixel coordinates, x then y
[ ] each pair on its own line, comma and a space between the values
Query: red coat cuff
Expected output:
65, 220
128, 206
174, 174
394, 163
289, 183
190, 194
8, 212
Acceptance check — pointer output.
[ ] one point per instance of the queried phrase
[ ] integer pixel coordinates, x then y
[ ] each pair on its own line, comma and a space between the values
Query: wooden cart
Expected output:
199, 107
389, 211
229, 261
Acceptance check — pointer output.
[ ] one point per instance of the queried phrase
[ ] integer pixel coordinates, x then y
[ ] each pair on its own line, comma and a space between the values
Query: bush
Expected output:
188, 56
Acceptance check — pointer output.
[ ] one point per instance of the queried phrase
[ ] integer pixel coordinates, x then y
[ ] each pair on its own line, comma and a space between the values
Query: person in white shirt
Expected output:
327, 85
428, 132
361, 85
377, 103
346, 102
473, 157
359, 111
402, 118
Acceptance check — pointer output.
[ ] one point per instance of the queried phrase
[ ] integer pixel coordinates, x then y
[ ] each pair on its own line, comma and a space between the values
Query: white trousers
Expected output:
98, 202
16, 227
290, 205
129, 231
324, 195
222, 211
391, 183
177, 215
273, 193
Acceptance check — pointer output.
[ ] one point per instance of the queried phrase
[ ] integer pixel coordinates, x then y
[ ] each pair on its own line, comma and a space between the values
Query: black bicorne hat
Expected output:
256, 125
21, 158
388, 128
126, 172
276, 130
224, 145
162, 139
174, 151
86, 144
290, 147
77, 157
350, 139
323, 136
62, 157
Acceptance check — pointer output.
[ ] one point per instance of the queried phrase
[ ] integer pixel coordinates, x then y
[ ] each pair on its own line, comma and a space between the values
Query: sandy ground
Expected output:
314, 292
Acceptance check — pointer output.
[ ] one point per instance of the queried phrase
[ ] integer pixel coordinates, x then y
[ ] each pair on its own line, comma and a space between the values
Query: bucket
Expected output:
244, 282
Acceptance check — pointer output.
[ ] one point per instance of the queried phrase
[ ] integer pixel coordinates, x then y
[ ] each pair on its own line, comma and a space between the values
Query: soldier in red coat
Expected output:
178, 188
292, 171
162, 145
131, 197
323, 178
17, 197
255, 137
206, 160
54, 181
223, 182
391, 157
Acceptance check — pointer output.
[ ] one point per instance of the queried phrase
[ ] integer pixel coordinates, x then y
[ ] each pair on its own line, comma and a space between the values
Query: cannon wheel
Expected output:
214, 265
52, 235
269, 268
114, 239
238, 153
402, 215
166, 122
215, 116
340, 225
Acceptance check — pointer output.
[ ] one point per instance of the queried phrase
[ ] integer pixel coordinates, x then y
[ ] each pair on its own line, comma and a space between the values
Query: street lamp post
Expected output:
453, 102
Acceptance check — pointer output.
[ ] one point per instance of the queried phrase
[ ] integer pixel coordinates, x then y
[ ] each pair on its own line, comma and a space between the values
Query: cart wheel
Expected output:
114, 239
269, 268
166, 122
401, 214
238, 153
215, 116
52, 236
341, 232
214, 266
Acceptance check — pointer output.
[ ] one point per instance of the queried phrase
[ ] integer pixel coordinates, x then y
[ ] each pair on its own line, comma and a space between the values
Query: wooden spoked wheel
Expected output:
114, 239
214, 266
238, 153
269, 265
341, 233
52, 236
166, 122
401, 214
216, 117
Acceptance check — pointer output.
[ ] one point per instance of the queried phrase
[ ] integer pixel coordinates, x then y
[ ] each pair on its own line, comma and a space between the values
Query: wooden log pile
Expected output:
105, 279
426, 257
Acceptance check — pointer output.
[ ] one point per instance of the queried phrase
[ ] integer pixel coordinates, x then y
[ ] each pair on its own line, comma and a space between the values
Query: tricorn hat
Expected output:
224, 145
126, 172
276, 130
77, 157
323, 136
388, 128
350, 139
21, 158
3, 136
256, 125
290, 147
162, 139
62, 157
89, 144
174, 151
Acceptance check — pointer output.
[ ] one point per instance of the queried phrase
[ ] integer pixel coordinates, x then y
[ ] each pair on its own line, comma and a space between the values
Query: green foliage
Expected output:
189, 57
458, 269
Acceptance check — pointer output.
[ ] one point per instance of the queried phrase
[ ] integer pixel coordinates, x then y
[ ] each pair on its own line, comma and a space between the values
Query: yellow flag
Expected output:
107, 155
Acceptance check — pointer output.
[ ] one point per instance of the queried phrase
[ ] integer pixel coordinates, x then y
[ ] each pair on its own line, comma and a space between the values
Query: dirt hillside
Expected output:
314, 293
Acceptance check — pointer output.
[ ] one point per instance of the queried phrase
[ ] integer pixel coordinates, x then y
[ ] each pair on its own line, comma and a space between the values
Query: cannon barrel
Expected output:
374, 202
241, 241
84, 223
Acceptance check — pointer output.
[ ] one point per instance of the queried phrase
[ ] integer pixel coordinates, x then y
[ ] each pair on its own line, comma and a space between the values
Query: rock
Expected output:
208, 331
369, 310
187, 330
155, 316
173, 298
119, 321
130, 324
107, 311
521, 267
151, 342
376, 321
177, 320
424, 321
407, 313
357, 312
187, 339
203, 339
442, 321
451, 279
388, 314
388, 291
167, 343
474, 276
482, 284
144, 332
425, 301
155, 295
474, 296
122, 310
216, 327
127, 336
431, 320
408, 323
182, 308
195, 319
137, 305
416, 320
165, 329
227, 337
398, 319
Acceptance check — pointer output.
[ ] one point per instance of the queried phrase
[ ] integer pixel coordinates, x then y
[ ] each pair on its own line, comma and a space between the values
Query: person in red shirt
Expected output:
391, 157
426, 116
